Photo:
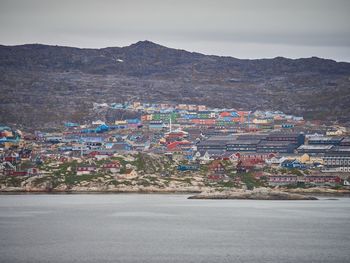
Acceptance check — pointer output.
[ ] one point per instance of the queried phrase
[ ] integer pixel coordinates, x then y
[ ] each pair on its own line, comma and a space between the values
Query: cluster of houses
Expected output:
194, 134
158, 116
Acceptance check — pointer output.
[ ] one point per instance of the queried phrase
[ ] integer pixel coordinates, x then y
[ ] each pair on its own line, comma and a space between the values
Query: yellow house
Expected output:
305, 158
202, 107
315, 159
334, 132
261, 121
120, 122
136, 104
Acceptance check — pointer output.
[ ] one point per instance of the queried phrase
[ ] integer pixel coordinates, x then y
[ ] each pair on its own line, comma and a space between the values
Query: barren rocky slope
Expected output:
45, 85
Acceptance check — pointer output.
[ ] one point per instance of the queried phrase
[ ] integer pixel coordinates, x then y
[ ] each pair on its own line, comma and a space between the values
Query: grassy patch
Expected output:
250, 181
139, 162
14, 181
296, 172
144, 182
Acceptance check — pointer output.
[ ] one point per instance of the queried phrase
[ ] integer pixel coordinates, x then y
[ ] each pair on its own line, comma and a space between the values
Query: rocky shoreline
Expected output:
256, 194
319, 191
82, 190
200, 191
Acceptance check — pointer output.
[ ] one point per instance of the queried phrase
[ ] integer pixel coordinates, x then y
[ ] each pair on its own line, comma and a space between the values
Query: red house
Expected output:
28, 172
245, 166
254, 158
322, 179
284, 179
225, 114
178, 134
113, 167
179, 146
85, 169
216, 170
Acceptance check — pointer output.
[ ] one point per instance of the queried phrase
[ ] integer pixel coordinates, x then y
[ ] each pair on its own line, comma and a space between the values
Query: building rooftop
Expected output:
211, 142
284, 134
342, 149
315, 147
220, 138
345, 140
325, 138
246, 142
274, 143
252, 136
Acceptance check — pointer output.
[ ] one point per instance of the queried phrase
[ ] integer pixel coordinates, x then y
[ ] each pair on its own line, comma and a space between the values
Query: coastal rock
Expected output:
256, 194
319, 190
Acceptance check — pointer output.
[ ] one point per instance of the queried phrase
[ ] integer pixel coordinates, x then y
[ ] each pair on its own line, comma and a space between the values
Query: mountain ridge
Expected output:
143, 43
67, 80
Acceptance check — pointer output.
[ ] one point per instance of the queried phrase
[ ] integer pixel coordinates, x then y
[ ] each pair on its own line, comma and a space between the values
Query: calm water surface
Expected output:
170, 228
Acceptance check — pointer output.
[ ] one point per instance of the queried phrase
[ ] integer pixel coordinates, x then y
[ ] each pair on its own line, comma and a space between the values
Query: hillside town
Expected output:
177, 148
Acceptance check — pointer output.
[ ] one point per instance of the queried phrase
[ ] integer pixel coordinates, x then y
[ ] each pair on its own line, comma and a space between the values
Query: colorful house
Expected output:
216, 170
288, 179
179, 146
113, 167
85, 169
188, 167
292, 164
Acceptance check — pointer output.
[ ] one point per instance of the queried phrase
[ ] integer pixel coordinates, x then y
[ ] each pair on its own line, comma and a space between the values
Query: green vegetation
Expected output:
228, 184
139, 162
14, 181
283, 171
144, 182
296, 172
41, 180
204, 169
120, 160
250, 181
188, 180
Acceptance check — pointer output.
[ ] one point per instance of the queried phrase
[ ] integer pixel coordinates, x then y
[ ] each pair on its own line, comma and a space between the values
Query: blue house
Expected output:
188, 167
92, 140
227, 119
234, 114
156, 125
12, 139
88, 131
4, 128
293, 164
65, 148
71, 125
122, 146
287, 125
191, 115
117, 106
102, 128
133, 121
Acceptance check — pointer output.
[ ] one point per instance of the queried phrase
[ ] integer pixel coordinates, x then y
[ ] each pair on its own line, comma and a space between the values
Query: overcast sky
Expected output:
238, 28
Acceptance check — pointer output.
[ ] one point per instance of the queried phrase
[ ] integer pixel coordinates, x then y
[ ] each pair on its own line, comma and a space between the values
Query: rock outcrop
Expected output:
256, 194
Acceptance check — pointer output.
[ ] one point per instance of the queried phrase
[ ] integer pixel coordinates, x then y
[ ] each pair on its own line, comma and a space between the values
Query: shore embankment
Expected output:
256, 194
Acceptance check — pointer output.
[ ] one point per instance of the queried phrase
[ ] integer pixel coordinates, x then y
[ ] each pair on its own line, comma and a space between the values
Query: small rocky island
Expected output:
256, 194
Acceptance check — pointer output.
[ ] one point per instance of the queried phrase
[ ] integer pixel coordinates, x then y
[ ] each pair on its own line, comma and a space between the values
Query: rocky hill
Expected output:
45, 85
